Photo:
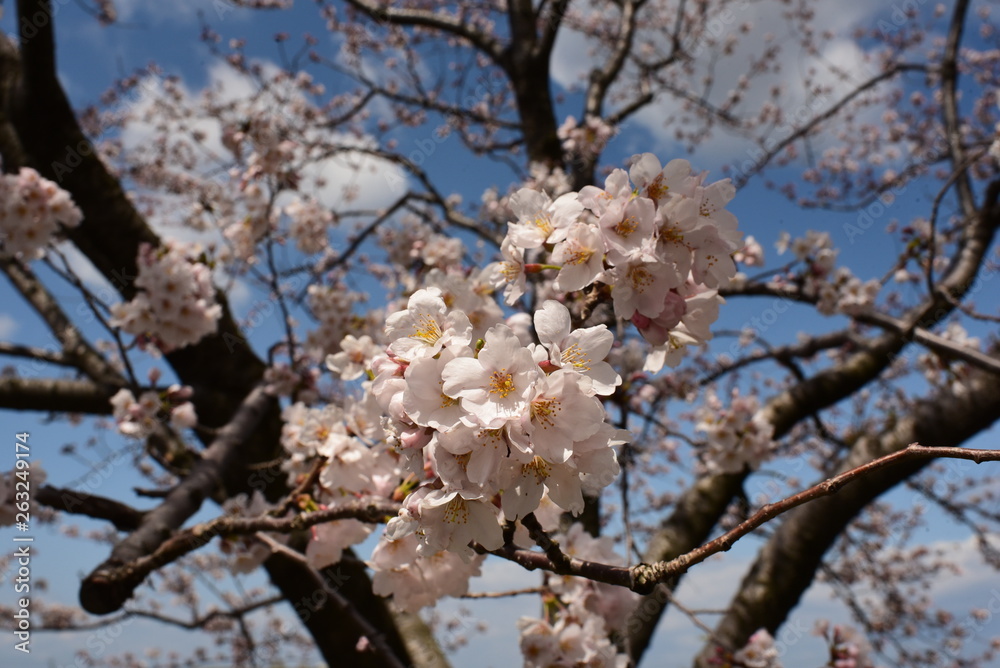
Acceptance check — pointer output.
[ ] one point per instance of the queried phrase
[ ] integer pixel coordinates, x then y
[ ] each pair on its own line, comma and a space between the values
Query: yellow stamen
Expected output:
501, 383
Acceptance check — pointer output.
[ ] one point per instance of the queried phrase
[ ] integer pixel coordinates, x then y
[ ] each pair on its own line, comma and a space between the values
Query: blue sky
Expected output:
91, 57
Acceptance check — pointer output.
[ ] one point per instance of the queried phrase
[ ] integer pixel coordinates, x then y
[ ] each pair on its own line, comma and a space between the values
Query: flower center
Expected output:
576, 356
657, 189
626, 226
543, 223
426, 329
580, 255
501, 383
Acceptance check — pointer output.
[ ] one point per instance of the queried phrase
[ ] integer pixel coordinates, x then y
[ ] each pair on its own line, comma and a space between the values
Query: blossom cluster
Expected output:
496, 419
176, 305
586, 139
32, 209
358, 463
309, 223
343, 437
658, 235
835, 289
759, 652
848, 648
137, 417
587, 610
736, 437
11, 494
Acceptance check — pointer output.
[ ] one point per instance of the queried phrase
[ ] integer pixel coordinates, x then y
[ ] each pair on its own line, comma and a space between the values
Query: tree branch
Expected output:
384, 653
184, 542
34, 353
428, 19
75, 348
105, 590
949, 107
122, 516
61, 395
786, 565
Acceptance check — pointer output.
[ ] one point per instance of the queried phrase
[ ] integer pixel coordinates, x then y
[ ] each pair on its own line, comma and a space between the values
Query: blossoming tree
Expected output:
424, 385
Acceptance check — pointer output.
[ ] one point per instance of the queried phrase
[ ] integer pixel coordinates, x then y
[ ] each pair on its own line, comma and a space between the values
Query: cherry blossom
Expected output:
32, 210
583, 350
176, 305
539, 219
493, 387
426, 326
354, 357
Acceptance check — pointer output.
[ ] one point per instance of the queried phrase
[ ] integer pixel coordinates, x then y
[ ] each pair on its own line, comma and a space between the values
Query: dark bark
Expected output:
786, 566
38, 128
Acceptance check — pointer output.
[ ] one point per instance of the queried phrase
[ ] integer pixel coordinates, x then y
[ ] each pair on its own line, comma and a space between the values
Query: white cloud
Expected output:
571, 59
839, 65
348, 180
178, 11
8, 326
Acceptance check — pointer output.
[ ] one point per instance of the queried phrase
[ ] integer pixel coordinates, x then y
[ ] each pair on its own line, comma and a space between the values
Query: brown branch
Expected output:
949, 107
104, 590
505, 594
122, 516
544, 541
62, 395
916, 333
385, 656
646, 575
418, 17
184, 542
75, 348
200, 622
34, 353
643, 578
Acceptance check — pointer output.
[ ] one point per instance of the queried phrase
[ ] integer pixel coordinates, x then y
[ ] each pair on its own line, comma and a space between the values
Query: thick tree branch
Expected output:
184, 542
122, 516
61, 395
104, 590
787, 564
75, 347
949, 108
34, 353
385, 655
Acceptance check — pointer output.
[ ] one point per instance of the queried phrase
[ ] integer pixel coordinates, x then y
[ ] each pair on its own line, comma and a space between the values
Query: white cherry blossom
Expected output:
559, 414
539, 219
494, 386
581, 257
426, 326
582, 350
